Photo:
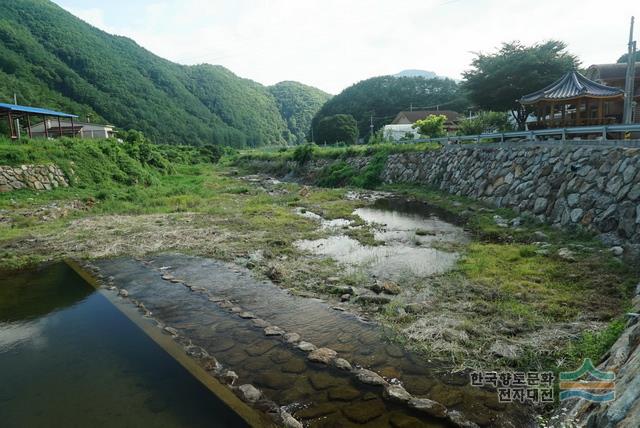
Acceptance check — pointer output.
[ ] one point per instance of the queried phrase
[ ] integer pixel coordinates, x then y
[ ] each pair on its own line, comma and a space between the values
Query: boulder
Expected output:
291, 337
322, 355
342, 364
272, 330
249, 393
306, 346
430, 407
396, 393
370, 378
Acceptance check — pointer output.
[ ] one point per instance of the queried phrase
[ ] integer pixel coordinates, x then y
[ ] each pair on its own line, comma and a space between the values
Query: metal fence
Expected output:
601, 133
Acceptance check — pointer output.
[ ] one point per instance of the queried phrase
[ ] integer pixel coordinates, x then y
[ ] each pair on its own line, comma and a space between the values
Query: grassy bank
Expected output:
333, 152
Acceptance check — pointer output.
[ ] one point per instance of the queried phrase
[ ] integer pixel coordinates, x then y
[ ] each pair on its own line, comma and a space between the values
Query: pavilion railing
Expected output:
601, 133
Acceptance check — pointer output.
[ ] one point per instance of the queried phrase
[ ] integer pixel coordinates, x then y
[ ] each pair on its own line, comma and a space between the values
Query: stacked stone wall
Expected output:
36, 177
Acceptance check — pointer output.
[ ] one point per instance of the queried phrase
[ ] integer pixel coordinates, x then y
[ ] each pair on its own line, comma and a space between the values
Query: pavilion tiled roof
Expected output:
570, 86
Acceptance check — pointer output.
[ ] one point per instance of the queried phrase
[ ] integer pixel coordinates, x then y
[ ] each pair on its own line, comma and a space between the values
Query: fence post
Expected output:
604, 133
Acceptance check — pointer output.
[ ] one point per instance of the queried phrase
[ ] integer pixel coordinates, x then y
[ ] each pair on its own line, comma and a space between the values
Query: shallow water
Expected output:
318, 395
69, 358
408, 232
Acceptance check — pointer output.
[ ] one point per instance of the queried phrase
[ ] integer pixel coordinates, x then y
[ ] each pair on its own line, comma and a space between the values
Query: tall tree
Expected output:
339, 128
383, 97
497, 81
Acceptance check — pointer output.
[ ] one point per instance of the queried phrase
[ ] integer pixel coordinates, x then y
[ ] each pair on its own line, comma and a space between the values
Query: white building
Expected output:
402, 125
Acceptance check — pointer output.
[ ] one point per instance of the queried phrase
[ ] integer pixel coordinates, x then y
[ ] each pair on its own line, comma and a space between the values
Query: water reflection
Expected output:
70, 358
409, 233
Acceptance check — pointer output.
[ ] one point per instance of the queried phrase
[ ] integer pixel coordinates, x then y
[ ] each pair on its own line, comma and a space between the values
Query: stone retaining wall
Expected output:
595, 187
36, 177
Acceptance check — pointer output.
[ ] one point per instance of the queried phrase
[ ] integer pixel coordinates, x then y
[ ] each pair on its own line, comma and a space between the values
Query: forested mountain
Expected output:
48, 57
298, 104
383, 97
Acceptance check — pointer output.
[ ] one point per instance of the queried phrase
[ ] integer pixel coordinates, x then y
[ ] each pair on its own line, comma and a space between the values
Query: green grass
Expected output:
336, 152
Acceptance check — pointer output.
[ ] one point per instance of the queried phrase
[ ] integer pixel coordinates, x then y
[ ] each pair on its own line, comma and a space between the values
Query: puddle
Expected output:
68, 357
408, 232
313, 393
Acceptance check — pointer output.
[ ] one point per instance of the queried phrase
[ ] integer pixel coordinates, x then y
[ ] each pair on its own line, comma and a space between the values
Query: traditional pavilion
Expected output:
574, 100
14, 111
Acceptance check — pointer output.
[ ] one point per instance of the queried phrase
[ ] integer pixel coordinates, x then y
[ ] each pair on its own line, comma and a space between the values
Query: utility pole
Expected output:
371, 125
631, 74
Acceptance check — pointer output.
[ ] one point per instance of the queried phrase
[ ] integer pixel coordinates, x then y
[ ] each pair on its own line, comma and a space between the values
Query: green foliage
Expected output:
52, 59
385, 96
335, 175
485, 122
431, 126
342, 174
595, 344
369, 177
496, 81
298, 104
91, 163
339, 128
303, 154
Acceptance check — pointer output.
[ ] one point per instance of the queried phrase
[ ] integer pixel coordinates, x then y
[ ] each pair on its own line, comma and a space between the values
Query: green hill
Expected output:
385, 96
51, 58
298, 104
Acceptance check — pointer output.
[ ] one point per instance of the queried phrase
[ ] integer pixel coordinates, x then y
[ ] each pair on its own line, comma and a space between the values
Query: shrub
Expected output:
432, 126
303, 154
485, 122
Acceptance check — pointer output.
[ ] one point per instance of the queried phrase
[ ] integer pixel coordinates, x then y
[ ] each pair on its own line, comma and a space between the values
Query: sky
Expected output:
332, 44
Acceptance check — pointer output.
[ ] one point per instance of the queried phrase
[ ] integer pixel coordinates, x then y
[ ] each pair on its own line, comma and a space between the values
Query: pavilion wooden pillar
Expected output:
10, 124
587, 109
59, 127
562, 117
73, 131
552, 114
29, 125
600, 111
46, 129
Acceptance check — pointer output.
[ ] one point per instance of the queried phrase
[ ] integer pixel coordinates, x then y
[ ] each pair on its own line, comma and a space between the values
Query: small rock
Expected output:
289, 421
391, 288
210, 364
338, 308
345, 297
171, 331
566, 254
230, 377
272, 330
322, 355
292, 338
616, 251
123, 293
506, 350
342, 364
458, 419
260, 323
370, 378
167, 277
429, 407
375, 300
306, 346
249, 393
236, 309
396, 393
247, 315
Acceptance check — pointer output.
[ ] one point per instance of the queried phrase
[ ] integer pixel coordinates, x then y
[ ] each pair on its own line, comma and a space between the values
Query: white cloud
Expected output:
334, 43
